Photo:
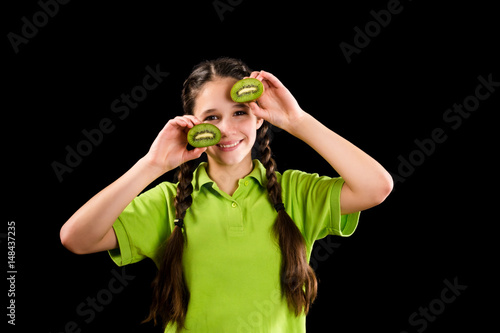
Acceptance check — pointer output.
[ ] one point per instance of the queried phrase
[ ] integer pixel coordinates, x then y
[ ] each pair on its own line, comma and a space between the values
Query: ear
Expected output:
260, 121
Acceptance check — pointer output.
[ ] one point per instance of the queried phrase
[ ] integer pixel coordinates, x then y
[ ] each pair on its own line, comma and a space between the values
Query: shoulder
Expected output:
166, 187
298, 183
296, 177
161, 191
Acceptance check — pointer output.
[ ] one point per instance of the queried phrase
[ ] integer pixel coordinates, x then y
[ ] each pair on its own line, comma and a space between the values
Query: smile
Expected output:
229, 145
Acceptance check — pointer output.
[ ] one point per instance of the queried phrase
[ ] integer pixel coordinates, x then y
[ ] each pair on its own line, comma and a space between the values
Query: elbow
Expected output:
377, 191
373, 194
68, 240
384, 188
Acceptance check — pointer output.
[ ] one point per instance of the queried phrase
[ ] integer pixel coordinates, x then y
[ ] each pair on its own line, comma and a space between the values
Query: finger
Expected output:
256, 110
254, 74
167, 125
273, 80
194, 121
185, 121
180, 121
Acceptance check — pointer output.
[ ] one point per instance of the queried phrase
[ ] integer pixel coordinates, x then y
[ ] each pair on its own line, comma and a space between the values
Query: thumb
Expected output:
256, 110
194, 154
259, 112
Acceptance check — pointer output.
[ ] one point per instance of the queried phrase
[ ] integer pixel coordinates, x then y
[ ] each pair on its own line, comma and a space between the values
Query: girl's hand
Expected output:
168, 151
276, 105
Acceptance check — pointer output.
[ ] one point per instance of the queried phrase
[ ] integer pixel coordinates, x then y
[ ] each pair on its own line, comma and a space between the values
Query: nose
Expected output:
226, 127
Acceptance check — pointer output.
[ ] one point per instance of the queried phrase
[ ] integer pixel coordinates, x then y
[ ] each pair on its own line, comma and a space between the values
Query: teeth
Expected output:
228, 146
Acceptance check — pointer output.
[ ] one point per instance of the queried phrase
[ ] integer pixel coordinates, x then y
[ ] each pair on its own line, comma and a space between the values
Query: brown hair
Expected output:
298, 281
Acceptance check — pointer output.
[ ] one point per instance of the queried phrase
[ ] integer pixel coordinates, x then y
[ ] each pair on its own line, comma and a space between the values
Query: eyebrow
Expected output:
207, 111
235, 106
240, 105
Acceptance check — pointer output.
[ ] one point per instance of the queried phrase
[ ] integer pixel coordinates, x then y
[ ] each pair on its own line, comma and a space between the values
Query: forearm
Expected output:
363, 175
94, 219
367, 183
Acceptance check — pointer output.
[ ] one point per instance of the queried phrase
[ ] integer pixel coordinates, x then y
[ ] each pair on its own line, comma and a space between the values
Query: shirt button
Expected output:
247, 182
234, 204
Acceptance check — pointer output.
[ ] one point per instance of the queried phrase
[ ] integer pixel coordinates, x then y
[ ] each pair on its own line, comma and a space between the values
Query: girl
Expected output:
232, 239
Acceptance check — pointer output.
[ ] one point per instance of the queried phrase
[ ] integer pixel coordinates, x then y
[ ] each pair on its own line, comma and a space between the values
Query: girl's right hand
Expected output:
169, 150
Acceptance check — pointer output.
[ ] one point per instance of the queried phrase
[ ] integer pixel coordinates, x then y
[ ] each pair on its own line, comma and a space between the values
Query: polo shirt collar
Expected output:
259, 173
200, 175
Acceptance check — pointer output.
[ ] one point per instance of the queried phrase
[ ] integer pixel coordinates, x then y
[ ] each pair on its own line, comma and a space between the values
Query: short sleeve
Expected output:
313, 202
143, 225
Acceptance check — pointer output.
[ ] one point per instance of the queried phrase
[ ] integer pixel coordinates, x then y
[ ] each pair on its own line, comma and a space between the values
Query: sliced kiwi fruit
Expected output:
246, 90
203, 135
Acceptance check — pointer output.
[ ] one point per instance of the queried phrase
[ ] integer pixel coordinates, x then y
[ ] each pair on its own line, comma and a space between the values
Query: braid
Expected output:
298, 281
273, 187
183, 200
170, 293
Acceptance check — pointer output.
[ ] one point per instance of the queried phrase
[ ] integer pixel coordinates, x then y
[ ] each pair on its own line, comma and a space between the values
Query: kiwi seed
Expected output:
203, 135
246, 90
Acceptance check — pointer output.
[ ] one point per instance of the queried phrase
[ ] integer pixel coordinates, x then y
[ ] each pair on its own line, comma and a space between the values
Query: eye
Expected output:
209, 118
240, 113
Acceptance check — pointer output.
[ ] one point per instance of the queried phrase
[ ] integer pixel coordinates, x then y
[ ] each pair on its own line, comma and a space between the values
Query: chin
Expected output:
228, 158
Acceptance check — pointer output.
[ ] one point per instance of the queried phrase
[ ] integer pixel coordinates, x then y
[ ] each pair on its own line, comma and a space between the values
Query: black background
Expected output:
438, 224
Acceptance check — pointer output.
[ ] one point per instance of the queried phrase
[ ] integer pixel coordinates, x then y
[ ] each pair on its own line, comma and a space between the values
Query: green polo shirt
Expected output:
231, 259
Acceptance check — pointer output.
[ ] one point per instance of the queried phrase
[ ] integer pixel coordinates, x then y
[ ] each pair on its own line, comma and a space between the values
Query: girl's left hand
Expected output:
276, 105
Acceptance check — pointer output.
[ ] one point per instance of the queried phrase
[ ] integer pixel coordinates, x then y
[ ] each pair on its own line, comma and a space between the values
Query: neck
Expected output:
226, 176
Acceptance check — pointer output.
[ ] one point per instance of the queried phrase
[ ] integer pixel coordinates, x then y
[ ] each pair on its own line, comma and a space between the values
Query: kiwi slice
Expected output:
203, 135
246, 90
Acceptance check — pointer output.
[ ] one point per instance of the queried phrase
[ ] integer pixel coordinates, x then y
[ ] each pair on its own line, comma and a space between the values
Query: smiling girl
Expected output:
233, 237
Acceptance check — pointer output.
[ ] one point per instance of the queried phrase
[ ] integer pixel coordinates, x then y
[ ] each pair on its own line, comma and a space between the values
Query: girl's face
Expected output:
236, 122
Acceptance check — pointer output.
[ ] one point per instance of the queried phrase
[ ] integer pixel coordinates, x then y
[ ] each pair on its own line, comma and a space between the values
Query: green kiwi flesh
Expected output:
203, 135
246, 90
